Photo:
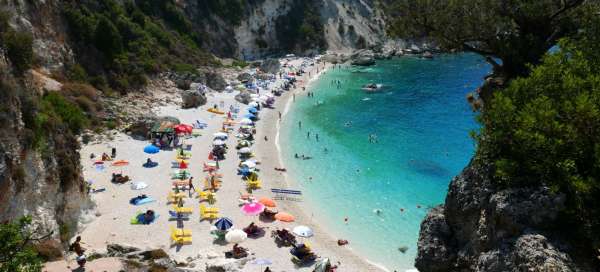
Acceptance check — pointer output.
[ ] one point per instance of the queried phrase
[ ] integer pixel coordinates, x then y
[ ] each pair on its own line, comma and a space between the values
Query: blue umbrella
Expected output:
262, 261
249, 116
224, 223
151, 149
252, 110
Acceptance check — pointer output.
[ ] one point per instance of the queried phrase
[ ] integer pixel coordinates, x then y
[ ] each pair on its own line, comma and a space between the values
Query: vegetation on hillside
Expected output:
301, 28
118, 45
17, 45
16, 250
517, 33
544, 129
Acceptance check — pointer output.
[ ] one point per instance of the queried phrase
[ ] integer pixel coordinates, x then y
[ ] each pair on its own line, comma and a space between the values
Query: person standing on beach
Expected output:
279, 116
190, 186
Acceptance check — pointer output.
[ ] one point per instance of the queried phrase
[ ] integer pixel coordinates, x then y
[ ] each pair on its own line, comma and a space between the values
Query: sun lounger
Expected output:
182, 209
287, 194
208, 213
254, 184
204, 209
181, 183
178, 216
180, 232
174, 198
181, 240
208, 196
208, 186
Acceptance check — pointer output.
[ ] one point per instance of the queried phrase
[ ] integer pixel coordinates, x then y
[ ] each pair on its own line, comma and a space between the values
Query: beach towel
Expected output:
138, 219
120, 163
139, 200
150, 164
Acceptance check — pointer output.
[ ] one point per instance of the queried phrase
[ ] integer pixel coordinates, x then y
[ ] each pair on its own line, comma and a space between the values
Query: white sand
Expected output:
112, 225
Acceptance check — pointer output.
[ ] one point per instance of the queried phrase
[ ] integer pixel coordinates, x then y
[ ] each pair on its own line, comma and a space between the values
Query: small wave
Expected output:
366, 99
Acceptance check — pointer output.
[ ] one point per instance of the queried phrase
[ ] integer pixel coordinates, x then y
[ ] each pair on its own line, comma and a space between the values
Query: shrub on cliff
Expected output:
544, 129
17, 45
16, 250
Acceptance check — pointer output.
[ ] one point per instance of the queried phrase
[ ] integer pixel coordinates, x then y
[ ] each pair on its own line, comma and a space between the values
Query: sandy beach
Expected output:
109, 222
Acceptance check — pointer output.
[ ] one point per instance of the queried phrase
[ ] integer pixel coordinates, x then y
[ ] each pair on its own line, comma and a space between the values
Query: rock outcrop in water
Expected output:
483, 228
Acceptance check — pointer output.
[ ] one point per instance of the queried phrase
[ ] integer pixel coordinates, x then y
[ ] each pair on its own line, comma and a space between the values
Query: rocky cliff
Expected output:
485, 228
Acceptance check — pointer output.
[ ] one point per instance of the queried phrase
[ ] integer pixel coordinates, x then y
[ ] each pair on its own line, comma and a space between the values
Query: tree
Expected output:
16, 252
517, 32
544, 129
107, 37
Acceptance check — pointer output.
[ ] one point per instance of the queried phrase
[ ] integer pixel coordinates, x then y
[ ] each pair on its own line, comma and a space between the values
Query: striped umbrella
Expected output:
224, 223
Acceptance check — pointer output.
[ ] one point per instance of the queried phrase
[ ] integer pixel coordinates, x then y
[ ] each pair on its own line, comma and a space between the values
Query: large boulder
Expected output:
270, 66
243, 97
215, 81
244, 77
192, 99
363, 58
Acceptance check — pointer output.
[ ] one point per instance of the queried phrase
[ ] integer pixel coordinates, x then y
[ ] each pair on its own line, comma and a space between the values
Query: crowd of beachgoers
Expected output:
209, 186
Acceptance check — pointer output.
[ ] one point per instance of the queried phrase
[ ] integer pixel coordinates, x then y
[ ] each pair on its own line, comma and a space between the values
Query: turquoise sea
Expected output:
421, 121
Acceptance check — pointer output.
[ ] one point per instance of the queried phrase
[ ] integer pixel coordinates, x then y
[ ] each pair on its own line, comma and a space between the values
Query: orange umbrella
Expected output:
267, 202
284, 217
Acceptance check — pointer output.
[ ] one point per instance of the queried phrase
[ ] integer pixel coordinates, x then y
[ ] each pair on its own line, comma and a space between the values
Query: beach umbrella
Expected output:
252, 110
253, 104
303, 231
267, 202
322, 265
218, 142
139, 185
220, 135
253, 208
284, 217
151, 149
262, 262
249, 115
246, 121
235, 236
224, 223
245, 150
182, 128
244, 143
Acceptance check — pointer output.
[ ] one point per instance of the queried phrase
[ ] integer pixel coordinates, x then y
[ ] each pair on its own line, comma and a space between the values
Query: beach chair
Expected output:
180, 232
180, 240
182, 209
208, 196
209, 168
204, 209
208, 186
180, 183
254, 184
178, 216
173, 197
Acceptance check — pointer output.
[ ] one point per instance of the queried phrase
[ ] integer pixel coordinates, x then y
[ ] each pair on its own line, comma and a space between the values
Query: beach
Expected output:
109, 222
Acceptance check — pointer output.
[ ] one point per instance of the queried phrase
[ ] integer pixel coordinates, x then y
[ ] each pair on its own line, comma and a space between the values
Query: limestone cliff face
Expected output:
483, 228
45, 183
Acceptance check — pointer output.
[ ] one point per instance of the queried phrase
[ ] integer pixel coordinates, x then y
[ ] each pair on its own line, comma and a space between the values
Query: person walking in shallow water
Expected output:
317, 136
299, 124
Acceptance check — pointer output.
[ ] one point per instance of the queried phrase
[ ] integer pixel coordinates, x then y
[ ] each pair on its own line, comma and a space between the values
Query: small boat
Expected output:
372, 87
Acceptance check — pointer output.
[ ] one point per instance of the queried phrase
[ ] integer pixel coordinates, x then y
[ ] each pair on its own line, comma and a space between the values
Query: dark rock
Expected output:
485, 228
49, 250
270, 66
116, 250
244, 77
243, 97
154, 254
215, 81
363, 58
192, 99
183, 84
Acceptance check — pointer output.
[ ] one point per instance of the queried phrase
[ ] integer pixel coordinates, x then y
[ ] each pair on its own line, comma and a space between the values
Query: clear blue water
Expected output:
422, 122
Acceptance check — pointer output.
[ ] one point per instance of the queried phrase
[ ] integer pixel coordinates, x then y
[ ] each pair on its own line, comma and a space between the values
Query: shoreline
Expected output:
329, 242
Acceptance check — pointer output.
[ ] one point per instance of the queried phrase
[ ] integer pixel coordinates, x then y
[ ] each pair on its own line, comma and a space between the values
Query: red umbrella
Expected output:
183, 128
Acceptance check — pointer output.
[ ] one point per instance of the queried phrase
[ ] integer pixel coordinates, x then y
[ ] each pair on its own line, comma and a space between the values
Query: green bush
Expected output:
16, 251
544, 129
18, 49
56, 109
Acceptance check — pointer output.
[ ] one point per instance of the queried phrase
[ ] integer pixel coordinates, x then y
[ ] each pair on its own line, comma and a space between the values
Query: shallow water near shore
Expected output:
421, 120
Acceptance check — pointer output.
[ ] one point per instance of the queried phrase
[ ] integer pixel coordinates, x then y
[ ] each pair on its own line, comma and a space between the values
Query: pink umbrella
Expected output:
253, 208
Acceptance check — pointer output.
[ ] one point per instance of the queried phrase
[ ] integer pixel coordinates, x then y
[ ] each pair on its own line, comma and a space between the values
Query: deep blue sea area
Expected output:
420, 122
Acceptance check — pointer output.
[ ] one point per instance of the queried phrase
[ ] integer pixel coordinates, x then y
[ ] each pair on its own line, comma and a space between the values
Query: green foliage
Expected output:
121, 45
18, 46
16, 251
545, 129
301, 27
56, 109
516, 32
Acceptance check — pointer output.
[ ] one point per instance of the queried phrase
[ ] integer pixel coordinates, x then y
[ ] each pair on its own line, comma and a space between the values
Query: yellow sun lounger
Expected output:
174, 198
181, 240
208, 215
254, 184
204, 209
208, 196
182, 209
180, 232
